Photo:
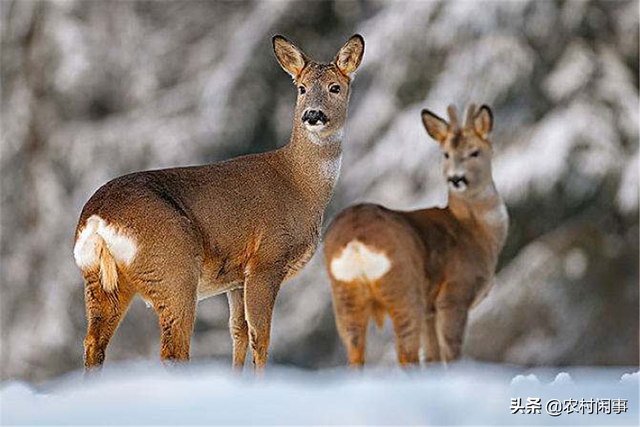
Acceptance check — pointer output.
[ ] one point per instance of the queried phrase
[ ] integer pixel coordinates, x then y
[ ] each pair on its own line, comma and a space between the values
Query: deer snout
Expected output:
312, 117
459, 182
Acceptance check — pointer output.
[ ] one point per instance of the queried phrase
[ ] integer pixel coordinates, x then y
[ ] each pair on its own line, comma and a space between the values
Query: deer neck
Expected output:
485, 212
315, 163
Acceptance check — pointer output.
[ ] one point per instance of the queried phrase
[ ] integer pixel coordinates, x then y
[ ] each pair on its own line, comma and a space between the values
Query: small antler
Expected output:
453, 117
471, 112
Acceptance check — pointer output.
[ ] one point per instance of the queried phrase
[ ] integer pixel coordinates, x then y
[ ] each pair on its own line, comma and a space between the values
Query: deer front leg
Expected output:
260, 291
452, 310
238, 327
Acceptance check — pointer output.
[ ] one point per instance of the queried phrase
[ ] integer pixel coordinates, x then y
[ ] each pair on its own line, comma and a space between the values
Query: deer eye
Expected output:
446, 155
335, 89
302, 90
475, 153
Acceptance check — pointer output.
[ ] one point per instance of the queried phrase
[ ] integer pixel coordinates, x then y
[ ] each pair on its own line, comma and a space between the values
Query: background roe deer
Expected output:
423, 268
242, 226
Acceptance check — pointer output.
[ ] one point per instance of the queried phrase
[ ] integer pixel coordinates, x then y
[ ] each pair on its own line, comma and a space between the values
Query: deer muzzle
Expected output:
458, 182
314, 118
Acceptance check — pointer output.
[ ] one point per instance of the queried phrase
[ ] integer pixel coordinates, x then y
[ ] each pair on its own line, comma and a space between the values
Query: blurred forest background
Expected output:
92, 90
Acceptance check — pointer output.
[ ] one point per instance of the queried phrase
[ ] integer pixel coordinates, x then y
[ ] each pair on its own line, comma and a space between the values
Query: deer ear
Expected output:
350, 55
483, 121
290, 57
437, 128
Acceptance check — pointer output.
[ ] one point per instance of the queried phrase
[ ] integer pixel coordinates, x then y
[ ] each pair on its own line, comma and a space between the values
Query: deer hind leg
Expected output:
176, 319
451, 319
431, 345
402, 296
104, 312
260, 291
351, 303
174, 300
408, 331
238, 327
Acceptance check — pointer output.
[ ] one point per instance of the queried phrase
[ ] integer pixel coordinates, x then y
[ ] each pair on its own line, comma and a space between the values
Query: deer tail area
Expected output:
99, 245
108, 269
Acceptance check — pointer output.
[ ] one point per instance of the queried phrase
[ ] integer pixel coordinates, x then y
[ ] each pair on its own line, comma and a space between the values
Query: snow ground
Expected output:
468, 393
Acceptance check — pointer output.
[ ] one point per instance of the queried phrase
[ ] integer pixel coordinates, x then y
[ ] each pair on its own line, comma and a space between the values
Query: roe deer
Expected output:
424, 268
176, 236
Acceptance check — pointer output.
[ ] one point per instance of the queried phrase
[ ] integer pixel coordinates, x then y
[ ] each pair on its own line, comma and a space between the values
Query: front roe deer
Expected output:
424, 268
243, 226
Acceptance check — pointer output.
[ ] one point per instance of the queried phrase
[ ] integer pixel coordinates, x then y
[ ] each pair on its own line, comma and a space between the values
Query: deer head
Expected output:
467, 149
323, 89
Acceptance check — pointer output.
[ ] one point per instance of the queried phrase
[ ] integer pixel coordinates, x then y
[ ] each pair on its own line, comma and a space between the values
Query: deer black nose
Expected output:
456, 180
314, 116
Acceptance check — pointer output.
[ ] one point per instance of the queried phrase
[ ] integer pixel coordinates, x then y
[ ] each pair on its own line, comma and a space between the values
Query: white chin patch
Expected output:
460, 188
315, 128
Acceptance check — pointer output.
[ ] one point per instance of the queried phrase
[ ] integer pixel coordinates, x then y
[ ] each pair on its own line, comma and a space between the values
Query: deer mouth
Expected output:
458, 183
314, 127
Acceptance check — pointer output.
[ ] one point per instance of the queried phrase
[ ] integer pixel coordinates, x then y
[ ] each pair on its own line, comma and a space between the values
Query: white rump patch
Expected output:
123, 248
357, 260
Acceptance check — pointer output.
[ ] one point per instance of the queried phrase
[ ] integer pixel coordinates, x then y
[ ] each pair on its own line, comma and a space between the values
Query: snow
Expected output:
576, 263
562, 379
465, 393
633, 378
530, 379
571, 73
627, 197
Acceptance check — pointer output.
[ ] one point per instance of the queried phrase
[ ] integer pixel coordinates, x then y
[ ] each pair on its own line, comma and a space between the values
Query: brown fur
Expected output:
442, 260
240, 227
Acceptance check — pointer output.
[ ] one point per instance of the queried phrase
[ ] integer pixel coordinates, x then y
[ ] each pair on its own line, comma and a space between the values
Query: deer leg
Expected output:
176, 317
407, 328
176, 326
451, 319
104, 312
260, 291
402, 296
351, 308
451, 326
431, 346
238, 327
